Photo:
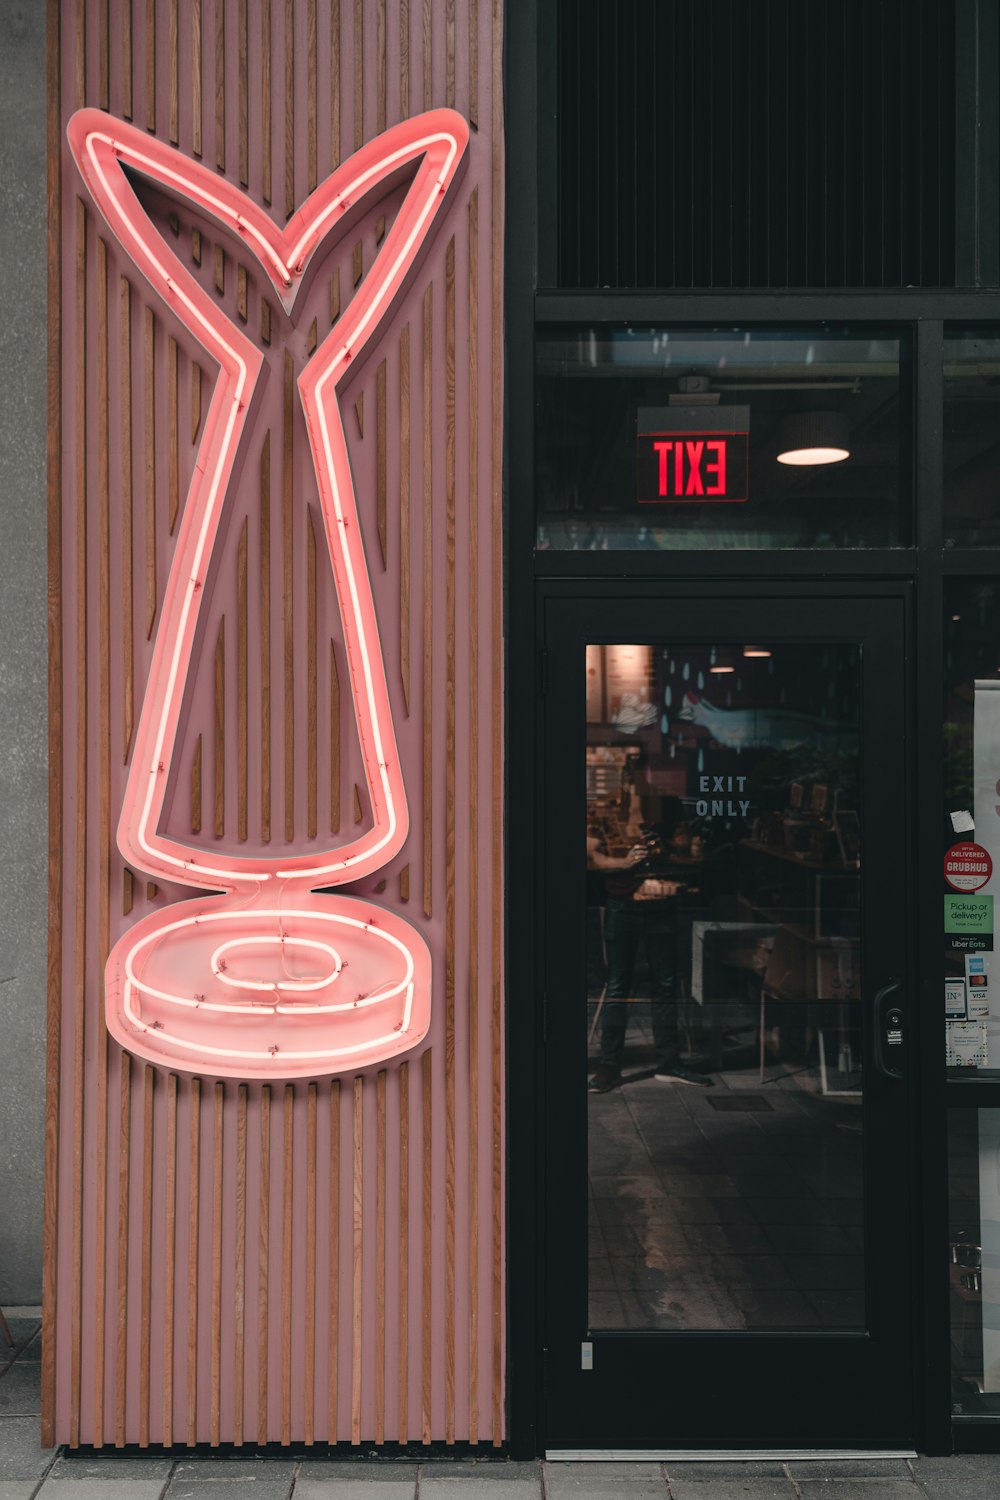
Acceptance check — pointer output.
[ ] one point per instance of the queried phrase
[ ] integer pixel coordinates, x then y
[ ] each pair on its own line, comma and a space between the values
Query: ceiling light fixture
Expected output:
755, 651
810, 438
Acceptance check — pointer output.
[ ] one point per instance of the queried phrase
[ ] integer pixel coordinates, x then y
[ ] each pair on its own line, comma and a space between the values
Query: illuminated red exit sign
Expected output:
692, 455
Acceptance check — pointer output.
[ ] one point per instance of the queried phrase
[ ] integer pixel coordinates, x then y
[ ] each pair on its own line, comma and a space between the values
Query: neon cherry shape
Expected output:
269, 979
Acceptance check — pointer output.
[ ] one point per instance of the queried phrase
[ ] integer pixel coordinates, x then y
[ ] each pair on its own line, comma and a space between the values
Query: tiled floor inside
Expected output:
737, 1206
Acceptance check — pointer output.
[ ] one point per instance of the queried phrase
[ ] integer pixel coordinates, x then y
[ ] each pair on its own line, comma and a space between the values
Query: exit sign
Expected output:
692, 455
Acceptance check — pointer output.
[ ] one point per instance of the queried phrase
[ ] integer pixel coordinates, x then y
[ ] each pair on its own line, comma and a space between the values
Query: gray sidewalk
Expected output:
27, 1471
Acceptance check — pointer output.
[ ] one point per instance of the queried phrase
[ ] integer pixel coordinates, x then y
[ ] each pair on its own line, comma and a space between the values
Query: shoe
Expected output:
678, 1073
604, 1079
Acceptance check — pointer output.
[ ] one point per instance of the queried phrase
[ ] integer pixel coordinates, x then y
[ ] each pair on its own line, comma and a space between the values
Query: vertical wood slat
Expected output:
334, 85
473, 816
335, 777
151, 65
215, 1392
148, 350
126, 46
146, 1261
242, 291
80, 68
449, 50
265, 638
242, 667
80, 944
309, 1428
288, 583
404, 1251
404, 59
104, 829
357, 1264
128, 892
473, 77
220, 85
359, 77
289, 108
124, 1163
195, 401
128, 665
312, 99
173, 455
265, 97
428, 53
380, 77
312, 707
333, 1239
219, 731
426, 1064
428, 559
196, 786
173, 48
194, 1167
197, 62
103, 53
243, 45
288, 1144
405, 561
449, 813
169, 1259
380, 461
240, 1278
380, 1146
496, 649
263, 1262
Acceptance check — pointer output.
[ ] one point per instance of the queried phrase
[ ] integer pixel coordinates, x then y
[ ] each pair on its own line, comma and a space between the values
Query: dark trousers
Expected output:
626, 925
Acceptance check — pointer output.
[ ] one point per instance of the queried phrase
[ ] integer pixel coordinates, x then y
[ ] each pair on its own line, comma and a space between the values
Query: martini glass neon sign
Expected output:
269, 979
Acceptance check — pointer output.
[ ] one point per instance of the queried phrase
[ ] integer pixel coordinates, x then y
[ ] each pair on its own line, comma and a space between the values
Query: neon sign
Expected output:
269, 979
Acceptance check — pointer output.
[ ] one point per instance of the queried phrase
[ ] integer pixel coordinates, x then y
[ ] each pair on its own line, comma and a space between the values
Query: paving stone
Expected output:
958, 1466
17, 1489
754, 1468
357, 1470
739, 1489
111, 1467
21, 1391
603, 1481
501, 1472
354, 1489
32, 1350
101, 1489
21, 1455
986, 1487
480, 1489
247, 1487
257, 1466
858, 1489
848, 1468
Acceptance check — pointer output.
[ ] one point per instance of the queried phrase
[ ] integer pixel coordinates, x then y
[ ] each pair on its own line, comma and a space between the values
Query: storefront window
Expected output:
974, 1260
665, 439
972, 438
971, 830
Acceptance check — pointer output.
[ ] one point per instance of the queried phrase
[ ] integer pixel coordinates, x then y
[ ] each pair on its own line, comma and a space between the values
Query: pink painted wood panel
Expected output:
228, 1262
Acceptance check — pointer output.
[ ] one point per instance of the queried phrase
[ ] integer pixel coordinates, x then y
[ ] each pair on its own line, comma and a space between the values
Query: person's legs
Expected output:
620, 943
660, 934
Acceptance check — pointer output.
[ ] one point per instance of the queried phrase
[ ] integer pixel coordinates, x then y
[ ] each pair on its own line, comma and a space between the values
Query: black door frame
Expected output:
528, 302
630, 1367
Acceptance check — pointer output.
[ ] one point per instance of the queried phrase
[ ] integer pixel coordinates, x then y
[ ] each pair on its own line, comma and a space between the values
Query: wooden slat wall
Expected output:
237, 1262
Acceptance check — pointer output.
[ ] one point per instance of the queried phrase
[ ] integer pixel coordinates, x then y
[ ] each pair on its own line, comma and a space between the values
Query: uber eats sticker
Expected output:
968, 921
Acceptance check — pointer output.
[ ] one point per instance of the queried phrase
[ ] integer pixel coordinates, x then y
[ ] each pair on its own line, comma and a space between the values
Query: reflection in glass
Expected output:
723, 860
972, 438
735, 437
974, 1260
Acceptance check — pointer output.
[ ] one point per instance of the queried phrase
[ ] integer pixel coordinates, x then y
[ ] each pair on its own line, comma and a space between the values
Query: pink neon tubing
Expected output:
102, 146
227, 1038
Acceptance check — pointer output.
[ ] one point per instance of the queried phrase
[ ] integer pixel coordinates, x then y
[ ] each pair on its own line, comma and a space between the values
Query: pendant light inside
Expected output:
810, 438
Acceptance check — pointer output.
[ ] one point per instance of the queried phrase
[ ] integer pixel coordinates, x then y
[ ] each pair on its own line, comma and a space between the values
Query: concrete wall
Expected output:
23, 753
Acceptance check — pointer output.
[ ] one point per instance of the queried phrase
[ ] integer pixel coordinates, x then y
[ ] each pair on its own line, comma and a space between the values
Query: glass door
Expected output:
729, 1263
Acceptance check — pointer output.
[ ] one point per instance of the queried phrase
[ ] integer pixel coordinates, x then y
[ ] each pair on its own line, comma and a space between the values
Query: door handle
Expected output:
889, 1030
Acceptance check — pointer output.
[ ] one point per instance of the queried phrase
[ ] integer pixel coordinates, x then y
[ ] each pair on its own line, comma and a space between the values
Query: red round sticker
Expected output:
967, 867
